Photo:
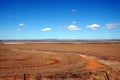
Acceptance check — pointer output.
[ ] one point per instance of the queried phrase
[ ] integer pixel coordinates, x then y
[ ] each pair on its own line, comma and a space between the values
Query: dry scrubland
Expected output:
60, 61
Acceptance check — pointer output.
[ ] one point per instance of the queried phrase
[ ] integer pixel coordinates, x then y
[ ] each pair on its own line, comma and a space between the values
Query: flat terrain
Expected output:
53, 61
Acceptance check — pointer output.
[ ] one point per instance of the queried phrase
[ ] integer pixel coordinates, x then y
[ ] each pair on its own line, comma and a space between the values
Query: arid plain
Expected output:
59, 61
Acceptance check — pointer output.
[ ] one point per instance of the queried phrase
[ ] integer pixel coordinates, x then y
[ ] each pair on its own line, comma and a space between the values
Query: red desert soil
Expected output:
54, 61
58, 58
92, 64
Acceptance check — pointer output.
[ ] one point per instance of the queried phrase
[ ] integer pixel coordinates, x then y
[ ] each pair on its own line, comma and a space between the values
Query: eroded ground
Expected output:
60, 61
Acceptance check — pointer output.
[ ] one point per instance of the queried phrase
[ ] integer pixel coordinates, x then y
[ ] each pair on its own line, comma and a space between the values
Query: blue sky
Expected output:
59, 19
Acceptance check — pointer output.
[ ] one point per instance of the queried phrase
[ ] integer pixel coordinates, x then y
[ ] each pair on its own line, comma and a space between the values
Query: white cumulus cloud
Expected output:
21, 24
73, 27
112, 25
46, 29
93, 26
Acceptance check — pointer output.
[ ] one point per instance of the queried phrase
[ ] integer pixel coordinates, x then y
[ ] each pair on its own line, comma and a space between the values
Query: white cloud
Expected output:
112, 25
73, 27
93, 26
21, 24
74, 22
46, 29
74, 10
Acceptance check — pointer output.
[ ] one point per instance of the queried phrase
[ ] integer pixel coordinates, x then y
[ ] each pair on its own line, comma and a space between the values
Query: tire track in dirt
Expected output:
54, 61
92, 64
5, 60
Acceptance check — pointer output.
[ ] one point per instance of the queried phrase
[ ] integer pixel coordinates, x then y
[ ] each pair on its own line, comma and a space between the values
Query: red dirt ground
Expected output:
54, 61
108, 52
92, 64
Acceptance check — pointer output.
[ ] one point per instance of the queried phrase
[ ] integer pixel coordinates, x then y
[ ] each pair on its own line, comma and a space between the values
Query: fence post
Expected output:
107, 75
25, 77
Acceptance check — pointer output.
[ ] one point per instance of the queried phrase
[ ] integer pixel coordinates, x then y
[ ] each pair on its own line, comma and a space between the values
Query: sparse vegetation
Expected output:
57, 61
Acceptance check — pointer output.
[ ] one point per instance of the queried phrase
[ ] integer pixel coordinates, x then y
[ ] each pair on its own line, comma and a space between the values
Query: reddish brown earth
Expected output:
56, 61
93, 64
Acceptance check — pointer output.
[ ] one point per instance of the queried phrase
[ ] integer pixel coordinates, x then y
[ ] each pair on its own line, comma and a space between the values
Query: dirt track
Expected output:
93, 64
